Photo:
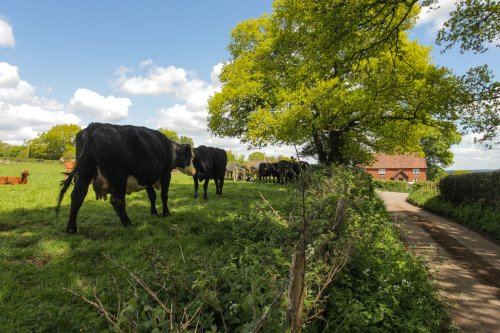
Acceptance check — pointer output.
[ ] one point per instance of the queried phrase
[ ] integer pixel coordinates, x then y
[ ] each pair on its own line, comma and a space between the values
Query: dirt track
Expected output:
465, 265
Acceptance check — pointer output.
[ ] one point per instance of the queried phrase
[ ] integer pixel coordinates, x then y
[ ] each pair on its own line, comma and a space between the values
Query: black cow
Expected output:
269, 172
120, 160
286, 171
209, 162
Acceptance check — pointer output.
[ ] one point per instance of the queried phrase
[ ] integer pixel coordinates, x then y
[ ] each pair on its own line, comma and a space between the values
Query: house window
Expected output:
416, 171
415, 179
381, 171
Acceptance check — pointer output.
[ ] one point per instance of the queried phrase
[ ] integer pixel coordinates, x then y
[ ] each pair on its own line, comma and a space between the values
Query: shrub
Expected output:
473, 215
245, 274
392, 186
476, 188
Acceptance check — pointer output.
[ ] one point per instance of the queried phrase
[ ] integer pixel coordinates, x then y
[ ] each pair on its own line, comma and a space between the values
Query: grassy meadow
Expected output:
38, 259
212, 266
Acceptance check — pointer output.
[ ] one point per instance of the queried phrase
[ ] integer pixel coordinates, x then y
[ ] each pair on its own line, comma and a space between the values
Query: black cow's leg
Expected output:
152, 199
82, 182
216, 181
205, 187
165, 184
221, 185
118, 202
195, 186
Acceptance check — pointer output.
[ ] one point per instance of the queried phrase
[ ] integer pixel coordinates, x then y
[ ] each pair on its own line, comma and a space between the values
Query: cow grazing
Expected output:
240, 172
209, 162
236, 171
268, 172
114, 158
69, 165
11, 180
230, 168
286, 171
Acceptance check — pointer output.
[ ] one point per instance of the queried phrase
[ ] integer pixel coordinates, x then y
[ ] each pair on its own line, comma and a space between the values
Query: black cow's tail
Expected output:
65, 185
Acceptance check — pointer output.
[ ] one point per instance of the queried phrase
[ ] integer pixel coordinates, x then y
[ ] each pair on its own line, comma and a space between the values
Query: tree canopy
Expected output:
172, 135
474, 24
256, 156
341, 79
59, 141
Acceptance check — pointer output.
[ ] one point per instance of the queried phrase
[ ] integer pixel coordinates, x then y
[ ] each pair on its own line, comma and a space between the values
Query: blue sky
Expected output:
149, 63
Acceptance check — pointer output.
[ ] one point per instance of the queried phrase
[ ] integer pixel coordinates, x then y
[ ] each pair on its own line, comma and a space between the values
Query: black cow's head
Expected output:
184, 159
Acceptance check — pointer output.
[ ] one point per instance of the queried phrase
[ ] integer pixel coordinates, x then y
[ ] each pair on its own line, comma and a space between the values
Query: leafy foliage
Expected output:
482, 188
340, 78
57, 142
231, 157
437, 153
471, 214
172, 135
256, 156
11, 151
473, 24
392, 185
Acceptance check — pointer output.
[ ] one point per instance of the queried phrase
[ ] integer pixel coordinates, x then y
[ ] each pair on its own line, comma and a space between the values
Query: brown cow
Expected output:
69, 165
9, 180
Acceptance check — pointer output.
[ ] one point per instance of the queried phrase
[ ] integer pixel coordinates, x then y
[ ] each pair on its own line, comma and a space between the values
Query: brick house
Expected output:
409, 168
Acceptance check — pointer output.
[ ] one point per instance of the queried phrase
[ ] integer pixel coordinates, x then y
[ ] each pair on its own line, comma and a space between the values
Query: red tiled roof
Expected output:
398, 161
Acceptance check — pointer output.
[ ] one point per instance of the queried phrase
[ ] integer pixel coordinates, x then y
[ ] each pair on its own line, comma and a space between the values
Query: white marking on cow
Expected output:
102, 187
190, 170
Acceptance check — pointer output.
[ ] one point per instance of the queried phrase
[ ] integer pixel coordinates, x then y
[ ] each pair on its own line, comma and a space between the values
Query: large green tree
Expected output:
437, 153
340, 78
53, 144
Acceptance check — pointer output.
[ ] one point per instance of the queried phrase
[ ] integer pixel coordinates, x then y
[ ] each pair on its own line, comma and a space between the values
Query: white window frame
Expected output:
416, 171
381, 171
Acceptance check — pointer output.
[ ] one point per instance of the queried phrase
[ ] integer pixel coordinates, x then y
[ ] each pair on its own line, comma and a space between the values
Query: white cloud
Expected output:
146, 63
182, 120
159, 81
9, 75
102, 108
24, 122
434, 18
214, 76
471, 156
6, 34
12, 88
189, 116
23, 114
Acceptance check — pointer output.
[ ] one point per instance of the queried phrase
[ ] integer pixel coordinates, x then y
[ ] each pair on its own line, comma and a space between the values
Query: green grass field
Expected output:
38, 259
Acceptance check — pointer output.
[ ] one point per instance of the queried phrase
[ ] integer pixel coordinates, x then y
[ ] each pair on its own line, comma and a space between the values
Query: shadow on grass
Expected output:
38, 258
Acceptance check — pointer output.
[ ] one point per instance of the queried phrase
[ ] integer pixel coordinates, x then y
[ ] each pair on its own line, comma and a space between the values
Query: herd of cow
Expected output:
121, 159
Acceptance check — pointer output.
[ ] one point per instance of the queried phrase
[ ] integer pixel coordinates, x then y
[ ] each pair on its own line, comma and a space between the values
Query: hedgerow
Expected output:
475, 215
392, 186
480, 188
242, 282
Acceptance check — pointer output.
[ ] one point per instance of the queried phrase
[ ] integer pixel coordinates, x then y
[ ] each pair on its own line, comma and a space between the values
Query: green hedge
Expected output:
392, 186
398, 186
472, 215
476, 188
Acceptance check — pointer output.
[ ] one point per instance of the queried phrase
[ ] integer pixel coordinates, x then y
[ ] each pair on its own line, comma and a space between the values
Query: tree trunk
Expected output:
318, 144
335, 145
